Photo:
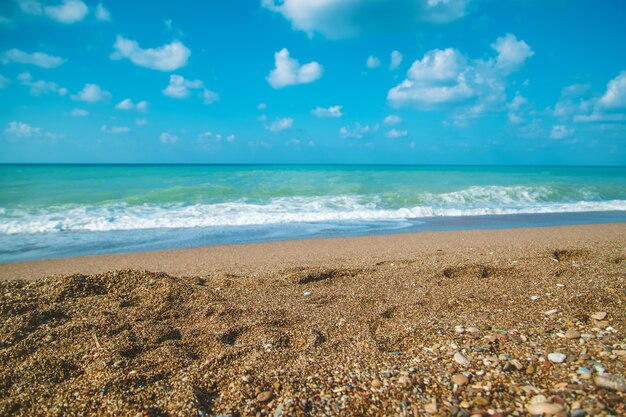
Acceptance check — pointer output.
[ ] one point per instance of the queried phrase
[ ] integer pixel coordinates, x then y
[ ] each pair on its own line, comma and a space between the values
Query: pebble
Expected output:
376, 383
572, 334
612, 382
551, 312
461, 359
556, 357
599, 315
534, 297
308, 293
264, 397
404, 380
459, 379
579, 412
431, 408
548, 409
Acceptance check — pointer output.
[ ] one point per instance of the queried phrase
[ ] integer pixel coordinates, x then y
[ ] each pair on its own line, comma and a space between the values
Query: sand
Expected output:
452, 323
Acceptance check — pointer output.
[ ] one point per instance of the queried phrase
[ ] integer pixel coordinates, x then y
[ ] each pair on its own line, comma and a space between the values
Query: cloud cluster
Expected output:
445, 78
21, 129
40, 87
92, 93
288, 71
115, 130
181, 88
396, 60
39, 59
102, 14
69, 11
168, 138
279, 125
397, 133
168, 57
347, 18
392, 119
577, 104
561, 132
358, 131
127, 104
372, 62
332, 111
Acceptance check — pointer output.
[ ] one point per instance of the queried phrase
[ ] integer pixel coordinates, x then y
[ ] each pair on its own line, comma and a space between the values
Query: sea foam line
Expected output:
276, 211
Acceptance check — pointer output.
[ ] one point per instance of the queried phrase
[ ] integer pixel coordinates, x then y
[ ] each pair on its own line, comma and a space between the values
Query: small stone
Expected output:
599, 315
404, 380
459, 379
308, 293
556, 357
376, 383
572, 334
612, 382
431, 408
551, 312
264, 397
579, 412
541, 409
473, 330
461, 359
534, 297
480, 401
459, 329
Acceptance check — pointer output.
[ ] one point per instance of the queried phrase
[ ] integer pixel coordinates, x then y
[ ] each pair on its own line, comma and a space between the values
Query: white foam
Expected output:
471, 202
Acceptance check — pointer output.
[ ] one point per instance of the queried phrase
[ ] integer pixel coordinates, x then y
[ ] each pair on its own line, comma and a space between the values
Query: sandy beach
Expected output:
491, 322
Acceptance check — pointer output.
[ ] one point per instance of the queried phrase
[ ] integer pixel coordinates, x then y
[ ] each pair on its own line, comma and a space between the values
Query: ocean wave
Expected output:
474, 201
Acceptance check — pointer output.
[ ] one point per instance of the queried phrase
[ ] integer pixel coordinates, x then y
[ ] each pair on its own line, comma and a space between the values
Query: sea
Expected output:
52, 211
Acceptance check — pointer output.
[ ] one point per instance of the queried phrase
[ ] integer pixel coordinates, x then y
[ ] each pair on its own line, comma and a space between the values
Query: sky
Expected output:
532, 82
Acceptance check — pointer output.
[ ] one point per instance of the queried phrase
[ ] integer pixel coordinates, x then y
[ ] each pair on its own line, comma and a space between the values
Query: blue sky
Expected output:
311, 81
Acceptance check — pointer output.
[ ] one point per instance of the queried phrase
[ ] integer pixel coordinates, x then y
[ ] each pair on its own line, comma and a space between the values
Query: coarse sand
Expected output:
502, 322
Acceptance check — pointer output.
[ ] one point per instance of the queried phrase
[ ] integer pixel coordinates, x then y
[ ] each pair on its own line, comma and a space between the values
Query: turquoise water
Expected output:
111, 207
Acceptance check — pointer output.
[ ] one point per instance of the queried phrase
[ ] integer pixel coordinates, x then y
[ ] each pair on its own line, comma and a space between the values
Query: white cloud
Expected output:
91, 93
205, 135
396, 60
516, 109
168, 138
141, 122
4, 82
261, 106
280, 124
180, 88
561, 132
33, 7
21, 129
209, 97
358, 131
169, 57
332, 111
372, 62
446, 79
79, 113
511, 53
70, 11
288, 71
116, 130
347, 18
39, 59
615, 96
127, 104
102, 13
395, 133
230, 138
40, 87
578, 104
392, 119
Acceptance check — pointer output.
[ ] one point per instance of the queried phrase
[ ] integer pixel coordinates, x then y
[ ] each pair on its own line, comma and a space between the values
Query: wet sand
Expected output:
450, 323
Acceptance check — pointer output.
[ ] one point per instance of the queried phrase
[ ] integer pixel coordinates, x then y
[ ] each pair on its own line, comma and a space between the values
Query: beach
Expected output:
483, 322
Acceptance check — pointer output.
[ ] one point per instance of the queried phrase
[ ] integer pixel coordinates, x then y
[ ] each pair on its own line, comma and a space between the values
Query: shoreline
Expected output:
311, 251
